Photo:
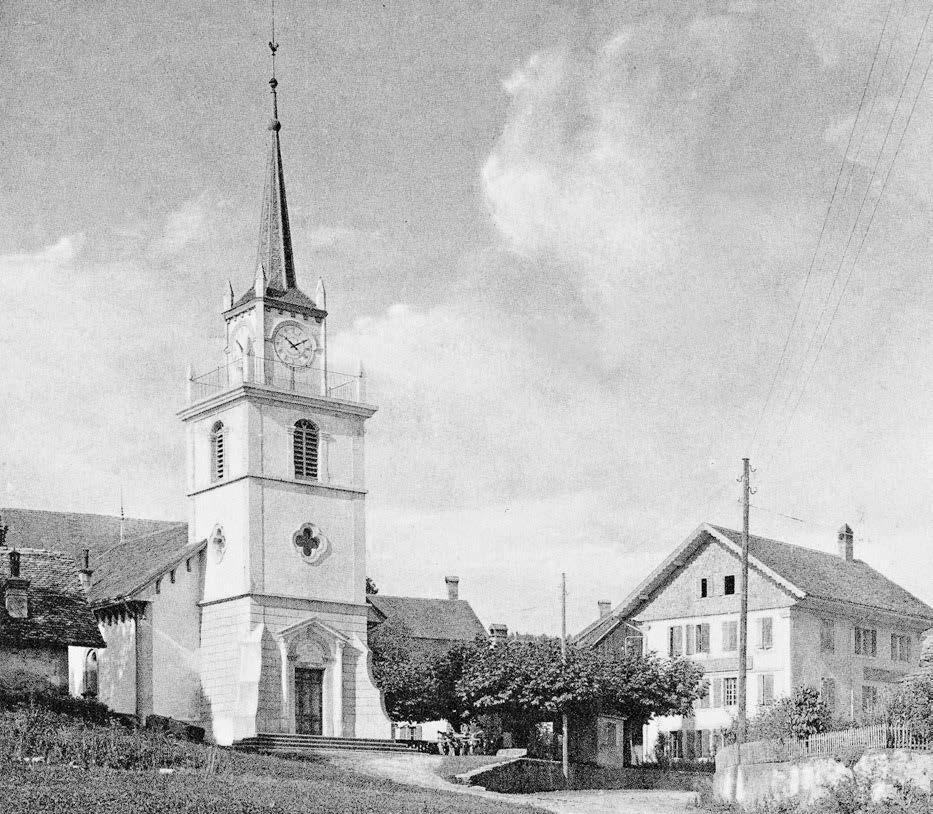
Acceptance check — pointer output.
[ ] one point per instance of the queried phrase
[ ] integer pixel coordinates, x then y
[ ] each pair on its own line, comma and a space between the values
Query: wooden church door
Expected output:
309, 691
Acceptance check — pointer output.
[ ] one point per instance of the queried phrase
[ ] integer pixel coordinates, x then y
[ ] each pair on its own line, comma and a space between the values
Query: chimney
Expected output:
453, 587
845, 542
498, 633
605, 608
86, 571
16, 590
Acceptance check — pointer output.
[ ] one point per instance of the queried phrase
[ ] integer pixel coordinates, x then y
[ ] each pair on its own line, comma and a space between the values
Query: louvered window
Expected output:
306, 446
217, 452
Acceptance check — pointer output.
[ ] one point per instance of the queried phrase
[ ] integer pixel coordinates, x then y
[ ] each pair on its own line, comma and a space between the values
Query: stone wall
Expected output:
34, 668
528, 775
878, 771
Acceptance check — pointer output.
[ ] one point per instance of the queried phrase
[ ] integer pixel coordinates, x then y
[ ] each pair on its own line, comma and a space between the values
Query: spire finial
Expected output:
276, 266
275, 124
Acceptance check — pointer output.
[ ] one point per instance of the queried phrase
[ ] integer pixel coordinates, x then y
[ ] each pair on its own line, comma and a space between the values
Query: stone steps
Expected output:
275, 742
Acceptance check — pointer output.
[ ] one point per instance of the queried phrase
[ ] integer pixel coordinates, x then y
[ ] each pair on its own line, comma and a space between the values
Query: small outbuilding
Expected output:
44, 611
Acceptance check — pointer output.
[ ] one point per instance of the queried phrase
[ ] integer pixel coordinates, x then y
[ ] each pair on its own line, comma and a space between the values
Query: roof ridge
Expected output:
86, 514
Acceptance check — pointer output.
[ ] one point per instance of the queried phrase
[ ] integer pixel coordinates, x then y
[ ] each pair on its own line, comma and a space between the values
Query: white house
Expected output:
828, 621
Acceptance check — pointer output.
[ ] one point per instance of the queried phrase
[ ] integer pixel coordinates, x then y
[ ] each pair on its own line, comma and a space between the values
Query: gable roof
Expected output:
131, 566
822, 575
59, 613
438, 619
802, 572
72, 532
149, 549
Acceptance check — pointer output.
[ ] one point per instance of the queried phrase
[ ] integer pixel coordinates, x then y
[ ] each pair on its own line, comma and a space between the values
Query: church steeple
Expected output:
275, 240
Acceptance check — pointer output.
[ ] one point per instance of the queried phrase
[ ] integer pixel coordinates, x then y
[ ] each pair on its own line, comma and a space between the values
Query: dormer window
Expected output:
218, 460
305, 449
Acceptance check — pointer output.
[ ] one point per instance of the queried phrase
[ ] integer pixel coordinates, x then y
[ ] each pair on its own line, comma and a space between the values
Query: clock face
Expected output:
293, 344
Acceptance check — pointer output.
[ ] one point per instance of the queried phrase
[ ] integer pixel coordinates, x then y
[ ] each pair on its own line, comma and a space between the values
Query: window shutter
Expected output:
305, 449
717, 692
765, 633
704, 638
691, 639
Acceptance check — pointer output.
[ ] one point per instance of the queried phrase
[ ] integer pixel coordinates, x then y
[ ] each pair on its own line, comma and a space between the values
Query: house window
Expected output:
691, 639
728, 584
900, 647
866, 642
765, 689
730, 691
730, 637
827, 636
765, 633
704, 588
675, 643
828, 692
217, 451
869, 699
305, 447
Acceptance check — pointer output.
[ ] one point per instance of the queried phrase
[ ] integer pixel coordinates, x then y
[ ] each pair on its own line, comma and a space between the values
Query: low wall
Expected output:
804, 780
528, 775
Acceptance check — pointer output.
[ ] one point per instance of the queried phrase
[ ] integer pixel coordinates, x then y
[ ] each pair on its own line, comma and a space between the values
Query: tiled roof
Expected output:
804, 572
130, 566
58, 610
445, 619
150, 547
826, 576
71, 532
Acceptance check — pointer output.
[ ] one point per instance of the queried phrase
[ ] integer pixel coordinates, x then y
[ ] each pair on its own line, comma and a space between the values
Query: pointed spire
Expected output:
320, 295
275, 240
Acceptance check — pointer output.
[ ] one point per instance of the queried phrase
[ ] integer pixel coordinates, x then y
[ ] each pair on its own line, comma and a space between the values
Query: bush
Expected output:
803, 714
30, 733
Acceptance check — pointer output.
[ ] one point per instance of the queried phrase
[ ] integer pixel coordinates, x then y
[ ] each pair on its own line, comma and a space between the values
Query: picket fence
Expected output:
878, 736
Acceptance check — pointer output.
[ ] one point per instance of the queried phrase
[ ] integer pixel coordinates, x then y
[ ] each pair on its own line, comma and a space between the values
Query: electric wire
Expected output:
826, 218
809, 375
859, 249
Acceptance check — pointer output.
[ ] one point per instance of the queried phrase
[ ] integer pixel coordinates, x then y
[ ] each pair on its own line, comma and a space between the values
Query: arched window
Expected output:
306, 443
90, 674
217, 451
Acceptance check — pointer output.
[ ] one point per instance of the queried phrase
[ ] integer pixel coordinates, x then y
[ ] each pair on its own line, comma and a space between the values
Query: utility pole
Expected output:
743, 609
565, 746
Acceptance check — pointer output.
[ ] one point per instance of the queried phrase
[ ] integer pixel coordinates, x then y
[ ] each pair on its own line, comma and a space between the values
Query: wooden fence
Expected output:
878, 736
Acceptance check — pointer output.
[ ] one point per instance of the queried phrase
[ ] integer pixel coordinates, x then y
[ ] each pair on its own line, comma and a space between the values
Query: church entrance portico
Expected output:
312, 669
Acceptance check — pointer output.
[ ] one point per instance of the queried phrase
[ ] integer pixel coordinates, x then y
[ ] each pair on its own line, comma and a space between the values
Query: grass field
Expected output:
248, 784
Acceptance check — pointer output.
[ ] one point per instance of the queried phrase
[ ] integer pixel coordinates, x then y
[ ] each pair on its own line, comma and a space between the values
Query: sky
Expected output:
576, 246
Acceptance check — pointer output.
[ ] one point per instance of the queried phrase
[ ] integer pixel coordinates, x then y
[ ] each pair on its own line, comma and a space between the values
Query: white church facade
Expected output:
252, 617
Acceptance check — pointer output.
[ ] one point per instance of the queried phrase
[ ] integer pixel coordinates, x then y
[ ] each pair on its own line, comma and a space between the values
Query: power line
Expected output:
877, 201
826, 216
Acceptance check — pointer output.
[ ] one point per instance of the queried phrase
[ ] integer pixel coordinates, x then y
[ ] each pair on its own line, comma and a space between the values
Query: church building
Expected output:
252, 617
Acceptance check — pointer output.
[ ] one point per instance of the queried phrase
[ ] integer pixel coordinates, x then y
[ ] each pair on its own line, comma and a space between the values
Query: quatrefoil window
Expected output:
218, 542
311, 542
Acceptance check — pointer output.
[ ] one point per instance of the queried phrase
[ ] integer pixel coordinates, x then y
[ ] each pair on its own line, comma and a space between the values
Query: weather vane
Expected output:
273, 83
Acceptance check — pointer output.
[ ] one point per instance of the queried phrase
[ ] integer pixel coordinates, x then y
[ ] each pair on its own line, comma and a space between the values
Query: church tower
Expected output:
275, 451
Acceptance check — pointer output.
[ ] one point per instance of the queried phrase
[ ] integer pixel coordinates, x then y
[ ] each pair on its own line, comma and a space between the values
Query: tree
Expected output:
802, 714
371, 587
526, 682
910, 705
402, 674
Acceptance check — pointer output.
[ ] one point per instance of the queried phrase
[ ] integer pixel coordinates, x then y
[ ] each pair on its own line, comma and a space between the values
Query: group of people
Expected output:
468, 742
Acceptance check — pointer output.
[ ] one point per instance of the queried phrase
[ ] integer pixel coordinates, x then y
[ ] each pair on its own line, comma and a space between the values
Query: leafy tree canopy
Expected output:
527, 679
371, 587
